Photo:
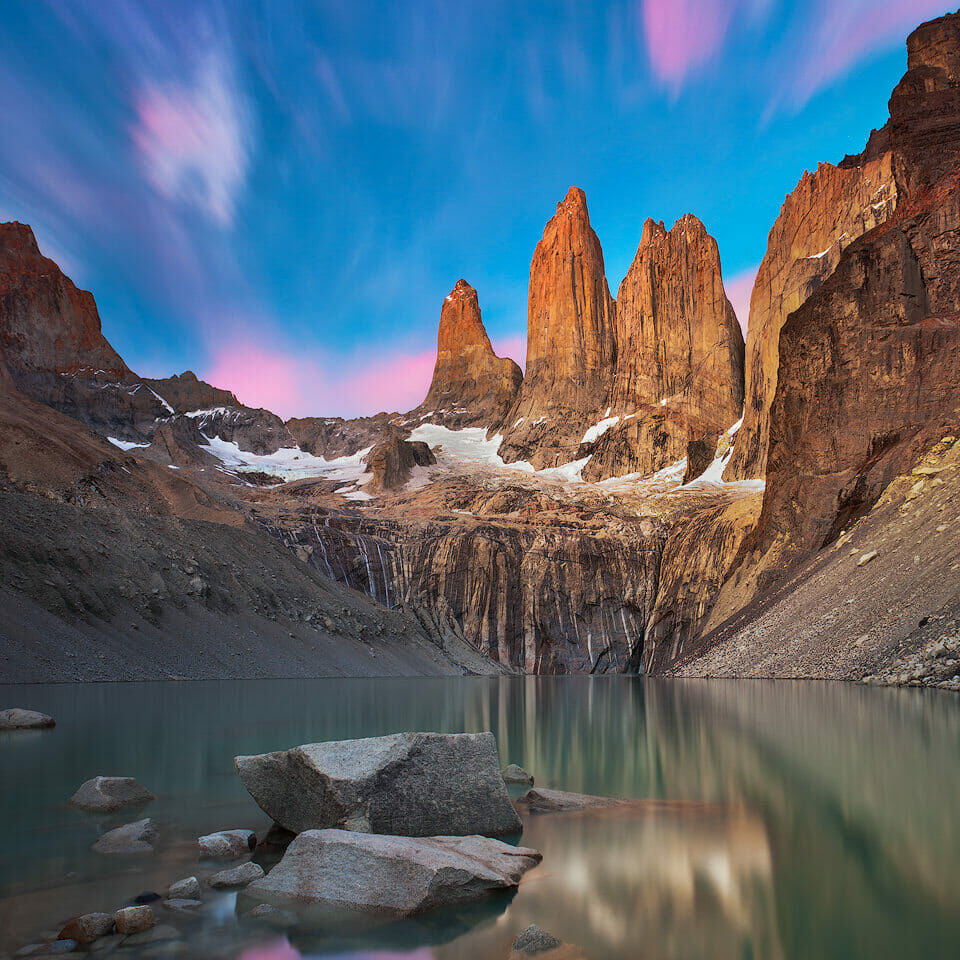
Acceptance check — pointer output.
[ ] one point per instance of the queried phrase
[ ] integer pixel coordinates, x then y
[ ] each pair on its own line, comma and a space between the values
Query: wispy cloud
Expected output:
739, 287
193, 137
840, 35
290, 384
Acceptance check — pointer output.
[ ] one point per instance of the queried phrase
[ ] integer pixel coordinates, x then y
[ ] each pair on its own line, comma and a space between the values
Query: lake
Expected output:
812, 820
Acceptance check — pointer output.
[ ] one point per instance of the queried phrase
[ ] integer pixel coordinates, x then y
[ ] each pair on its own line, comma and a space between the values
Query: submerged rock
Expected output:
534, 940
134, 919
87, 928
227, 843
396, 876
407, 784
17, 719
561, 801
512, 773
179, 905
236, 877
136, 837
106, 794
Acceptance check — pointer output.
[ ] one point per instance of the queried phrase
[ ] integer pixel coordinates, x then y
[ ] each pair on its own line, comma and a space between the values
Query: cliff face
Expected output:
471, 385
678, 377
570, 342
824, 214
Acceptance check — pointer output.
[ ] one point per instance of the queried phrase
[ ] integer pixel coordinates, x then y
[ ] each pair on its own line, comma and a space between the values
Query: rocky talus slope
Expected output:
471, 385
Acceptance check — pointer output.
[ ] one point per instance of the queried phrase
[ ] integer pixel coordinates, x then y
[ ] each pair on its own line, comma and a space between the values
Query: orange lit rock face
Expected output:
471, 385
678, 377
570, 342
824, 214
47, 325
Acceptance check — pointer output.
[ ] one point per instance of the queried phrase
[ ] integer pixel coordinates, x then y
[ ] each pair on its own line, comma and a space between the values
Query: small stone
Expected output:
153, 934
106, 794
131, 920
236, 876
17, 719
866, 558
148, 896
186, 889
227, 844
136, 837
534, 940
274, 916
513, 773
87, 928
180, 906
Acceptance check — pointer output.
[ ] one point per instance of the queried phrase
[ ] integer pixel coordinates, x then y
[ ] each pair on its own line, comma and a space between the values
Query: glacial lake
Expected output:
811, 820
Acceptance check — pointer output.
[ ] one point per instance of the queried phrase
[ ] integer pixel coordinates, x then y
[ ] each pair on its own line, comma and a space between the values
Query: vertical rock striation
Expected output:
471, 385
571, 345
678, 377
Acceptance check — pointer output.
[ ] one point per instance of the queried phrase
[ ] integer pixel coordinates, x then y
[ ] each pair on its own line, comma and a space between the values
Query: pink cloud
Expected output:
193, 139
683, 34
291, 385
844, 33
514, 347
739, 288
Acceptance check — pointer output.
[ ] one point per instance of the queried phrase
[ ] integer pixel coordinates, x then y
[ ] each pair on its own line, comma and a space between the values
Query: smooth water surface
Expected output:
819, 820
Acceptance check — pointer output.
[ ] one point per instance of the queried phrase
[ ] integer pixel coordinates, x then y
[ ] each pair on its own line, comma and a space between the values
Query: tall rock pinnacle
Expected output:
471, 385
678, 377
570, 341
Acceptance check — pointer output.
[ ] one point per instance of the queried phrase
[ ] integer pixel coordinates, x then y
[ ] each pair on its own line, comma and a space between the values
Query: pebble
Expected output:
134, 919
186, 889
236, 877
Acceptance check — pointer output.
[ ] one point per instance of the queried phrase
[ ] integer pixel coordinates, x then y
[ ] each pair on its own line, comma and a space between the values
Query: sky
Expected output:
278, 194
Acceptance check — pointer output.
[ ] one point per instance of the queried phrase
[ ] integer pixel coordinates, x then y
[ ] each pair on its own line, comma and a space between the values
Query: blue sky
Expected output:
279, 195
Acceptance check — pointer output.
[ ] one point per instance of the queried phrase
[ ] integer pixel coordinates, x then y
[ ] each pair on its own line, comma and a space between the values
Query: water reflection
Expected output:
818, 820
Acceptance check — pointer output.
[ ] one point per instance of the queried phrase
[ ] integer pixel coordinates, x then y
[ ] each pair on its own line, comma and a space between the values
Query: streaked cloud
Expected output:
739, 287
193, 137
290, 383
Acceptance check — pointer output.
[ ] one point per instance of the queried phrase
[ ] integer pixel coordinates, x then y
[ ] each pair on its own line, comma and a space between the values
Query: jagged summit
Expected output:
471, 385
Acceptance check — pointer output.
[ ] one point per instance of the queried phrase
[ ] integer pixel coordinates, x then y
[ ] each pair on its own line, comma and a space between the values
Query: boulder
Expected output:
407, 784
17, 719
106, 794
236, 877
186, 889
393, 876
227, 844
534, 940
134, 919
136, 837
87, 928
516, 774
561, 801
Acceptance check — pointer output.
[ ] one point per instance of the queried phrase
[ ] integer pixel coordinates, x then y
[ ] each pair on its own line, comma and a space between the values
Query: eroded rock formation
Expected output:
820, 218
571, 344
392, 461
471, 385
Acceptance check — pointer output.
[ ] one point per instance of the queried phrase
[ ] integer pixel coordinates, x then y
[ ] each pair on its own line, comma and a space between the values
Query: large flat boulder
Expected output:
17, 719
405, 784
106, 794
391, 876
137, 837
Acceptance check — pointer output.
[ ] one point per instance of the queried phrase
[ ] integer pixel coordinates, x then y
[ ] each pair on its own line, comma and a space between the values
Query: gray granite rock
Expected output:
514, 774
406, 784
562, 801
178, 905
533, 940
130, 920
17, 719
236, 877
227, 844
388, 875
186, 889
87, 928
136, 837
106, 794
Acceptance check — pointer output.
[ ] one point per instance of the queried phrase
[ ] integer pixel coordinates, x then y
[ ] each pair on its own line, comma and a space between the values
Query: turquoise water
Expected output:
818, 820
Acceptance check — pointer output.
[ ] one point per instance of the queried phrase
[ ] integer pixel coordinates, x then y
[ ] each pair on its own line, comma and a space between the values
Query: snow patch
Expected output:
599, 429
290, 463
126, 444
